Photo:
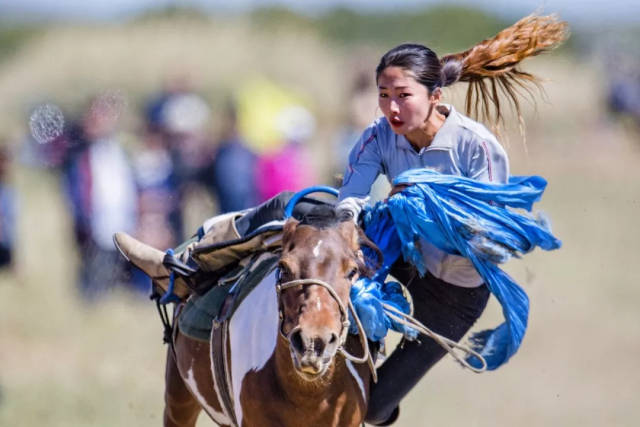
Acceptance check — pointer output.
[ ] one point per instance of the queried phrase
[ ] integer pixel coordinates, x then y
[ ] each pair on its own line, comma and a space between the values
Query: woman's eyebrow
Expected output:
395, 87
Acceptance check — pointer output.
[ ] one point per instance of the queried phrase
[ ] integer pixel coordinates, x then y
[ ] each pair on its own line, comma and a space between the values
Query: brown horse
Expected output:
286, 343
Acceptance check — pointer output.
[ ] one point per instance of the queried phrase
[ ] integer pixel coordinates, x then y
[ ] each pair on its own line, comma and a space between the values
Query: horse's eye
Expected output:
283, 272
352, 273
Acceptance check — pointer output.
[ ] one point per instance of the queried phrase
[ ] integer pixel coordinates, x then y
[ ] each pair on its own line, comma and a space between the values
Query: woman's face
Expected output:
403, 101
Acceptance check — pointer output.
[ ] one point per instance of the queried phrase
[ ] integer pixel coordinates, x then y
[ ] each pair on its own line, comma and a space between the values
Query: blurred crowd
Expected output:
143, 181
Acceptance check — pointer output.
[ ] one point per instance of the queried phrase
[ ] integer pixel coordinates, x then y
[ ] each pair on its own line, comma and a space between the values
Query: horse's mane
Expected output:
321, 216
326, 216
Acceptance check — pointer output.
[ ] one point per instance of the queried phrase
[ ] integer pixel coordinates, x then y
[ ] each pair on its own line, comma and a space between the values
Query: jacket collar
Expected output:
445, 138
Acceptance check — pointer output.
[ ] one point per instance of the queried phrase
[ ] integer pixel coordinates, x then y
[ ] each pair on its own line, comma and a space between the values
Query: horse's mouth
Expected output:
310, 371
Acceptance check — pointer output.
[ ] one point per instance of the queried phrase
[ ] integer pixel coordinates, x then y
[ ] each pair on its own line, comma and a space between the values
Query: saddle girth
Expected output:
221, 368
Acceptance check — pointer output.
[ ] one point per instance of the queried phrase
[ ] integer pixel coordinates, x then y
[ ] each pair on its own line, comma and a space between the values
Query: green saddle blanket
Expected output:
198, 314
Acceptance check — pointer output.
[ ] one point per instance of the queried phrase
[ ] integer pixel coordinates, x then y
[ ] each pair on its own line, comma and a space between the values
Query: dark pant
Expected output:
446, 309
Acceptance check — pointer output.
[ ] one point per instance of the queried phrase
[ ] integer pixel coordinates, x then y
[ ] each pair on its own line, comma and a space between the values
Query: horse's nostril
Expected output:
296, 341
333, 339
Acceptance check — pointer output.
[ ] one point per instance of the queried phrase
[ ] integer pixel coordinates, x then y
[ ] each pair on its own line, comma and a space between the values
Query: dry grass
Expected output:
66, 364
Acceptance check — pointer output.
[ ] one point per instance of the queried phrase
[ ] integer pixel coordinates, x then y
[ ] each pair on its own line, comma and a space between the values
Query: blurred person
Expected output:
233, 169
174, 86
289, 168
624, 94
362, 109
185, 120
182, 118
418, 131
159, 215
8, 208
623, 82
101, 193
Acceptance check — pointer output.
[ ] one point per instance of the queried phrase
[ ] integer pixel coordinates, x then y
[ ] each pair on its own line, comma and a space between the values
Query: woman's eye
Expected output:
383, 95
404, 95
352, 274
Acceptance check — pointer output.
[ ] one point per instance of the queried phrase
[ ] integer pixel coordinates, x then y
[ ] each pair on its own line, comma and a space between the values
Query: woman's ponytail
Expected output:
450, 72
490, 67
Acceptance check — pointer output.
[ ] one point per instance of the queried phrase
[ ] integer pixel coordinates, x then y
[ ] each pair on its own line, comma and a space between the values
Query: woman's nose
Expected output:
394, 107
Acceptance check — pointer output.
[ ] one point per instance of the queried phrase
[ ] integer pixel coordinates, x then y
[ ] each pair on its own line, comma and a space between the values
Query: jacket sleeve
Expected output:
365, 164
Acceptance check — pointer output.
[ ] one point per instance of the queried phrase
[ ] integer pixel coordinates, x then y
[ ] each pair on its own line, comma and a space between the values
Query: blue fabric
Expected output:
367, 297
469, 218
169, 296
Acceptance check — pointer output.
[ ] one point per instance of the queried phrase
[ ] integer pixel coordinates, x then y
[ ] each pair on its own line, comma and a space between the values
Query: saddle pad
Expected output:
199, 312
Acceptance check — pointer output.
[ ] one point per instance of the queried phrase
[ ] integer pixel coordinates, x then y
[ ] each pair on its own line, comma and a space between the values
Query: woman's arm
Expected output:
488, 162
365, 164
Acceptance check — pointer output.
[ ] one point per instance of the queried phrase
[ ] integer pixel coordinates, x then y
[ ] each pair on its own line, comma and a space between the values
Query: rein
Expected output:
449, 345
366, 356
452, 347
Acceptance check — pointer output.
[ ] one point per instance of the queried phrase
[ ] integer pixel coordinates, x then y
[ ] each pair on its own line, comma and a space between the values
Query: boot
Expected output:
217, 229
149, 260
395, 414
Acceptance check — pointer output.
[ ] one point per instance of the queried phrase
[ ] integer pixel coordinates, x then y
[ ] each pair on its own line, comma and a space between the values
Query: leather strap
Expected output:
221, 368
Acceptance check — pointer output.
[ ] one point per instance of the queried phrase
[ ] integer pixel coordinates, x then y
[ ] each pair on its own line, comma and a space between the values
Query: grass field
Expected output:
63, 363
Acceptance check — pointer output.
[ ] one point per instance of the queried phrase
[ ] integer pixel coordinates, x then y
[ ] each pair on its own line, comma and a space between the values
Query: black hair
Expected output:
423, 63
490, 67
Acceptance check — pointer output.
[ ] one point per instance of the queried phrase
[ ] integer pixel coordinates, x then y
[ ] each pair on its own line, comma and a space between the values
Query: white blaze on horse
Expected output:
285, 344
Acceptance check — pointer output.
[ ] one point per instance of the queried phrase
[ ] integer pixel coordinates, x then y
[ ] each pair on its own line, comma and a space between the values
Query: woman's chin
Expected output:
398, 128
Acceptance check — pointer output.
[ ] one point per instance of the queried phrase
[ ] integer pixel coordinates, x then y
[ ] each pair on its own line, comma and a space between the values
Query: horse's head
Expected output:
321, 258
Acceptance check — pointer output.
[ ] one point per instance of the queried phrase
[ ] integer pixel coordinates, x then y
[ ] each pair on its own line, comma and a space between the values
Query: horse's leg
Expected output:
181, 408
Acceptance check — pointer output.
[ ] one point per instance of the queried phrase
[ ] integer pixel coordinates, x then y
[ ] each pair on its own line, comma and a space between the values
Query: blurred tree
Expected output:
445, 28
281, 18
13, 37
172, 12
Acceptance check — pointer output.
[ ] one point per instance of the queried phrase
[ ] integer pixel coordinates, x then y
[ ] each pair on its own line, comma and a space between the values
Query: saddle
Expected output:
220, 261
201, 312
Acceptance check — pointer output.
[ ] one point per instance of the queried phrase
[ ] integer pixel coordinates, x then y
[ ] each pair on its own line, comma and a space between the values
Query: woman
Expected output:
417, 131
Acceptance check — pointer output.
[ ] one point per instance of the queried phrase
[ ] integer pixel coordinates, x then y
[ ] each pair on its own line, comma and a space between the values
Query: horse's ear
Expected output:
365, 242
349, 231
288, 228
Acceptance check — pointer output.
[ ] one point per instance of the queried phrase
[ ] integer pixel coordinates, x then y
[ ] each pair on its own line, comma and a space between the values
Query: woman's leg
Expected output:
219, 229
273, 210
448, 310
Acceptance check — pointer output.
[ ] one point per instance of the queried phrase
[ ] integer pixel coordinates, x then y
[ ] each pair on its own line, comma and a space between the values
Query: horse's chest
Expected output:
268, 403
282, 413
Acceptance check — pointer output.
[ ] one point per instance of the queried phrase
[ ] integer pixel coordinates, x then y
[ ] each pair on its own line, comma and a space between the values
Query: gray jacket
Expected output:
461, 147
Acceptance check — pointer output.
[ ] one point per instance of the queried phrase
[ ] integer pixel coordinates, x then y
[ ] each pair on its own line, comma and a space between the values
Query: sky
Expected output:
575, 11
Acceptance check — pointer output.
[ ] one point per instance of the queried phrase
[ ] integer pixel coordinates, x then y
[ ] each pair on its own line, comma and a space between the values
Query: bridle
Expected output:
344, 317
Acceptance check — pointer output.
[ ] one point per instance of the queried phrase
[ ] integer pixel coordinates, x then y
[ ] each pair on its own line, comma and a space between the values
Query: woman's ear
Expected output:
436, 96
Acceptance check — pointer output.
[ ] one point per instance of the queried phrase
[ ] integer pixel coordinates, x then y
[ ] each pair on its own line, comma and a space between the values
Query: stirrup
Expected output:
175, 266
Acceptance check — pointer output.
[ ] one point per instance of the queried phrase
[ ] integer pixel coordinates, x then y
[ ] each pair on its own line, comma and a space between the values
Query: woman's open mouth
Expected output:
396, 122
